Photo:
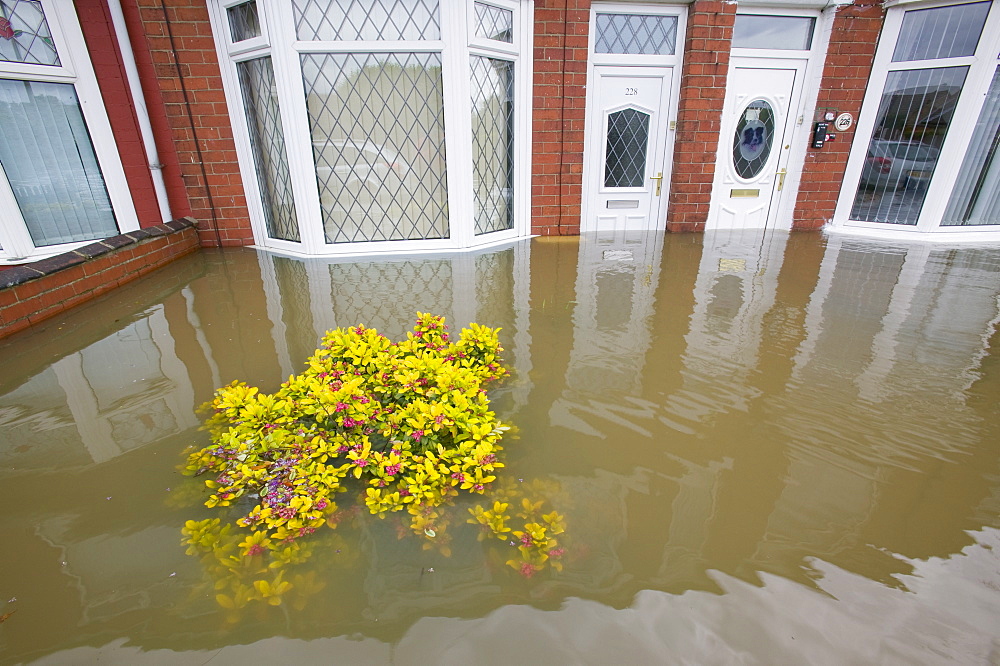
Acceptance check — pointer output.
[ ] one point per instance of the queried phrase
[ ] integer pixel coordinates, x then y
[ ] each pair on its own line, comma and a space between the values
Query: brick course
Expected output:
846, 72
180, 61
31, 293
699, 113
559, 104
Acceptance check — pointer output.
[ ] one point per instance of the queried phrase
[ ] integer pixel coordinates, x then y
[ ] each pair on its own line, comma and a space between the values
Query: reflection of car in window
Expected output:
895, 164
356, 161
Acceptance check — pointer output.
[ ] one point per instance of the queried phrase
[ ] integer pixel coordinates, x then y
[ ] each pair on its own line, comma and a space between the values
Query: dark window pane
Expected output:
976, 197
942, 32
913, 119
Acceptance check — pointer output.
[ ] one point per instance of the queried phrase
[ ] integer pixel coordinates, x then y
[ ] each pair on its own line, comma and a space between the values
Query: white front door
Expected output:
627, 177
761, 97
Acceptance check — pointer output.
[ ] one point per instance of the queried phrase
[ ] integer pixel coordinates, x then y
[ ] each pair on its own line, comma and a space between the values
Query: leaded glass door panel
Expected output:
753, 146
627, 167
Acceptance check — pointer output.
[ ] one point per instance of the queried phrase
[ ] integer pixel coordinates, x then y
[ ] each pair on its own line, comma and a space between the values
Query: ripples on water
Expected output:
775, 449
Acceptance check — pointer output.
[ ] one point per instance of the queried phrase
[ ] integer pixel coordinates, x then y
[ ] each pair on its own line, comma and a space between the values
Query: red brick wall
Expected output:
699, 116
106, 59
180, 57
845, 77
560, 97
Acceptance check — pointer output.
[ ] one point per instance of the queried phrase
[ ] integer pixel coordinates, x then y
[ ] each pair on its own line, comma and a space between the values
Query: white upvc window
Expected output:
61, 179
380, 126
925, 157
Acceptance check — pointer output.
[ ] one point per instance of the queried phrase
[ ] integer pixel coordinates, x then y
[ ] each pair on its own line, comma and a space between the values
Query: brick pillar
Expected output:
559, 106
182, 52
699, 118
845, 77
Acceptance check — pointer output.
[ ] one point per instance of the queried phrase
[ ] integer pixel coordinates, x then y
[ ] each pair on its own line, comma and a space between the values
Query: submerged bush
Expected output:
407, 423
411, 419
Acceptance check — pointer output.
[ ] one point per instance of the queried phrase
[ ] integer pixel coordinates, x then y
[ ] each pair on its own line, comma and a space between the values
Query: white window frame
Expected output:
982, 66
458, 43
76, 69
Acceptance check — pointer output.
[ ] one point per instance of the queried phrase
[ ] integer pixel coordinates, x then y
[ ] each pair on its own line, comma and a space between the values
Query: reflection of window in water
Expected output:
726, 301
614, 300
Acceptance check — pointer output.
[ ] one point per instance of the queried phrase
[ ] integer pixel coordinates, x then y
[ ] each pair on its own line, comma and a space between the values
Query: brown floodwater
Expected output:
776, 449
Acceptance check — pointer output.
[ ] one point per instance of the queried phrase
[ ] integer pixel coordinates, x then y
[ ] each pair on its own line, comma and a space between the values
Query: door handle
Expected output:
781, 178
659, 181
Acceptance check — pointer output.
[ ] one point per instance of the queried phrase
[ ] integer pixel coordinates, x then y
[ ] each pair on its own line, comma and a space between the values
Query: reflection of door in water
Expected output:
753, 153
626, 178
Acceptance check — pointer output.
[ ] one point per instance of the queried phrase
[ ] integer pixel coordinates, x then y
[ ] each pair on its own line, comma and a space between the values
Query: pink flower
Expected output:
527, 570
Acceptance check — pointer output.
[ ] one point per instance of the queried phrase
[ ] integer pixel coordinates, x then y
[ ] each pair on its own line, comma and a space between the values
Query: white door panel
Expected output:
753, 145
627, 176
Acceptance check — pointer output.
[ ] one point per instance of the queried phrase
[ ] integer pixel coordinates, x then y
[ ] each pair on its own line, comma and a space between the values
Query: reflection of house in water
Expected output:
617, 277
117, 394
490, 287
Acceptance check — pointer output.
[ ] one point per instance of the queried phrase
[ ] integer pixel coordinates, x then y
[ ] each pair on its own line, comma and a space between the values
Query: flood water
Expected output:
775, 449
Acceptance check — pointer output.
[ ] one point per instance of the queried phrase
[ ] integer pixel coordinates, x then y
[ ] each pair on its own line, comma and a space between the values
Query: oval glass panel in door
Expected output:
625, 156
752, 143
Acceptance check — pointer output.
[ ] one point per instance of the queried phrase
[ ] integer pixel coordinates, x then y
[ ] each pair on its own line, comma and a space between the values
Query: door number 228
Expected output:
631, 91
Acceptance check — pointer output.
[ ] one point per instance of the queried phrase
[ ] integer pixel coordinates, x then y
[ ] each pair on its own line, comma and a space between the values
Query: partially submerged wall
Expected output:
33, 292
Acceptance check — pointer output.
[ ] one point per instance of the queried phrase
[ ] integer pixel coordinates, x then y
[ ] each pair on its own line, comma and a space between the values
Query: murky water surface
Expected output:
768, 449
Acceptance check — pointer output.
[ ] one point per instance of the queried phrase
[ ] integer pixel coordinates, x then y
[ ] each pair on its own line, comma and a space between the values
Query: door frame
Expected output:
593, 149
806, 91
777, 200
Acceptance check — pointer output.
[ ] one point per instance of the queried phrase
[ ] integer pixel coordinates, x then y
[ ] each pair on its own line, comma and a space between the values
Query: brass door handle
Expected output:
659, 181
781, 178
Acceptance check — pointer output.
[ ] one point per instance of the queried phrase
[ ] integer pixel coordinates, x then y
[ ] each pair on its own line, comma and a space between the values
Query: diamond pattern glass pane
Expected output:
942, 32
493, 143
244, 23
494, 23
24, 33
377, 125
636, 34
910, 128
260, 99
53, 172
625, 157
753, 139
366, 20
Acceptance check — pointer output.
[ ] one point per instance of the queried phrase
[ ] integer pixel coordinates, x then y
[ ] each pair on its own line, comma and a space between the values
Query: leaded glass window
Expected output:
636, 34
24, 33
367, 20
493, 143
267, 140
377, 126
753, 138
625, 154
941, 32
244, 23
494, 23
